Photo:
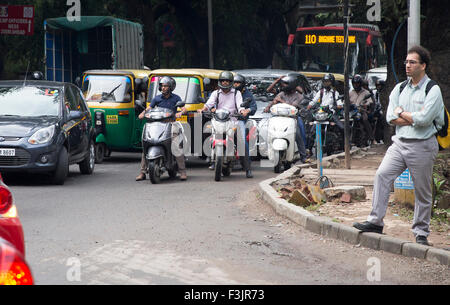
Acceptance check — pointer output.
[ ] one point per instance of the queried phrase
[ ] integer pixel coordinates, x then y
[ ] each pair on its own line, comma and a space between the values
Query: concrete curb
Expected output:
326, 227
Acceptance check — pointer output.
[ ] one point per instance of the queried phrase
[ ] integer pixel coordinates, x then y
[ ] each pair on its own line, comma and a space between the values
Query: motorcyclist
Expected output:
240, 84
362, 99
275, 90
290, 96
226, 97
168, 100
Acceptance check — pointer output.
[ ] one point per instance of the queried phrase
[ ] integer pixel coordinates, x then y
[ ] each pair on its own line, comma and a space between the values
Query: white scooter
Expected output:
281, 136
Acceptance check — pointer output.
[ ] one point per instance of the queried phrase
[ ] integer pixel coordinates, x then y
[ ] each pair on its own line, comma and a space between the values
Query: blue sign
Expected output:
404, 181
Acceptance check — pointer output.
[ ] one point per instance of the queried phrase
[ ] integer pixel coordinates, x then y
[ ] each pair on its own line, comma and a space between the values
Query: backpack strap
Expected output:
402, 86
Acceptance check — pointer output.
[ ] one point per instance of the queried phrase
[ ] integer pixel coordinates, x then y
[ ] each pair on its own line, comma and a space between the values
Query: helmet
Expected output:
167, 80
357, 82
239, 78
289, 82
226, 75
357, 79
329, 77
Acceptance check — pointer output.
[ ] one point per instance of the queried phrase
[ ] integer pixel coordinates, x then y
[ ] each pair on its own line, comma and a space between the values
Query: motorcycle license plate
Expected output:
182, 119
7, 152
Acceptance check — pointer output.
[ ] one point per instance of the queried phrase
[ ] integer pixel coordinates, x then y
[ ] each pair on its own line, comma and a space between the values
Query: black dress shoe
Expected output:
422, 240
249, 174
368, 227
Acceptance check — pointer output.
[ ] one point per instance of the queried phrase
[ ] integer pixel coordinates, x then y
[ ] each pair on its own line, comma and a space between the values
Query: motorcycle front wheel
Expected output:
154, 171
218, 168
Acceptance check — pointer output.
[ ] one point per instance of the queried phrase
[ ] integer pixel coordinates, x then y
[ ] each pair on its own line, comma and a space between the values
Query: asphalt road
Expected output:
108, 229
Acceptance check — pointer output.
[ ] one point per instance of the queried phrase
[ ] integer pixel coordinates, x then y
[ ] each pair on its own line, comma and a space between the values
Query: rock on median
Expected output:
355, 192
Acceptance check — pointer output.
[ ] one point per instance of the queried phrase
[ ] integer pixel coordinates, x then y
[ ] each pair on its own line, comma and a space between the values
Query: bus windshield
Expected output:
322, 50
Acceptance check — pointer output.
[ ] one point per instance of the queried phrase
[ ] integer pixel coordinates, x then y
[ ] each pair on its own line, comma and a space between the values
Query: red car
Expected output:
13, 268
10, 226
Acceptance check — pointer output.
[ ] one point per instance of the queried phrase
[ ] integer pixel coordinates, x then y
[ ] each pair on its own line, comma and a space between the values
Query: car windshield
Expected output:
111, 88
188, 88
29, 101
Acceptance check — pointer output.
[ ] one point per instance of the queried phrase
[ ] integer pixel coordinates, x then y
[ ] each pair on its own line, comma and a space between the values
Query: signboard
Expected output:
332, 39
16, 20
404, 181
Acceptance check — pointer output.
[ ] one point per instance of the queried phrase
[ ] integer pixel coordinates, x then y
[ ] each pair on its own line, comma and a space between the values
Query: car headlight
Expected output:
42, 136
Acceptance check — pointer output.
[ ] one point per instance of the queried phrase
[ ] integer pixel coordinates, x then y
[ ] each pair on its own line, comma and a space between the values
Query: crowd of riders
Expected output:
232, 92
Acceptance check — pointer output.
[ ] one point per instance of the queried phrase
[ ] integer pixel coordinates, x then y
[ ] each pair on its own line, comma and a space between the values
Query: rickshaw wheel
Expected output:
99, 153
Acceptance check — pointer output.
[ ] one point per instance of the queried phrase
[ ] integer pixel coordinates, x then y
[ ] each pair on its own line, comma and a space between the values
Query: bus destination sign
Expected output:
318, 39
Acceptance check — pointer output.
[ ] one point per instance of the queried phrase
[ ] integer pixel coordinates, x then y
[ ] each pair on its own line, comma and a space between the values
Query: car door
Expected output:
86, 121
72, 126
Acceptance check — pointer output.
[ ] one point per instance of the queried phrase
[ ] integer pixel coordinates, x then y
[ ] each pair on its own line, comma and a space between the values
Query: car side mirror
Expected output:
75, 115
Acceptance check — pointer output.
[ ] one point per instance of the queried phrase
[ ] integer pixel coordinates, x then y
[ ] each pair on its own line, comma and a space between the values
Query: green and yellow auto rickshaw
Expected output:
194, 87
115, 99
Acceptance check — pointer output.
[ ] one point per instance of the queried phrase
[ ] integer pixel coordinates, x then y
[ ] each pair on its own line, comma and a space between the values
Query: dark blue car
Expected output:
45, 127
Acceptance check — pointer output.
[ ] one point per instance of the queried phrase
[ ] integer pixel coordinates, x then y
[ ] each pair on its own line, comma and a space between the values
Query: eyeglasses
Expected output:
411, 62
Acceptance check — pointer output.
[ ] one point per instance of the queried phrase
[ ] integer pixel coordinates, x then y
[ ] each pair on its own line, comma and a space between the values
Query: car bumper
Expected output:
29, 158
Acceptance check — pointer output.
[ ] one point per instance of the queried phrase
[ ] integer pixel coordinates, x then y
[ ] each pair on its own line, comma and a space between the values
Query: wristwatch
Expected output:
400, 112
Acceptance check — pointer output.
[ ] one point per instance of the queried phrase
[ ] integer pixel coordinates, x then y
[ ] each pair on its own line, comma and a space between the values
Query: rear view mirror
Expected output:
75, 115
206, 81
180, 104
78, 82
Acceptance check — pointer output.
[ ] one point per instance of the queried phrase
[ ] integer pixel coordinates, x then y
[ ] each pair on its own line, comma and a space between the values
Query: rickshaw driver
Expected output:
168, 100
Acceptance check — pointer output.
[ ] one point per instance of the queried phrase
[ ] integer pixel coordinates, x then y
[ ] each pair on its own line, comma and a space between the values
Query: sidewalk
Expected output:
335, 218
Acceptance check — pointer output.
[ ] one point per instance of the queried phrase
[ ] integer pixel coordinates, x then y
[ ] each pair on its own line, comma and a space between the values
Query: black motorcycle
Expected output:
332, 130
157, 140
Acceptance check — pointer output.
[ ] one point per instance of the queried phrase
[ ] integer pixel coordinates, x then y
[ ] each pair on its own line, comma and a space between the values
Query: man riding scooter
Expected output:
239, 84
290, 96
228, 98
168, 100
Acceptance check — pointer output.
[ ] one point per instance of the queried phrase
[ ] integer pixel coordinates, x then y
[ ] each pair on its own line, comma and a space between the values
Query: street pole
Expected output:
413, 23
210, 35
346, 95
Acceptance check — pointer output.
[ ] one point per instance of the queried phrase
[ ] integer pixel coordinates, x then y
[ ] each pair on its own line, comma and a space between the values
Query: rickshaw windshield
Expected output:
188, 88
111, 88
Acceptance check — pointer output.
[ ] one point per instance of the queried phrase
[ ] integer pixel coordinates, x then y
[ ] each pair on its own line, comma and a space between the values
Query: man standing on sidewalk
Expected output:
416, 116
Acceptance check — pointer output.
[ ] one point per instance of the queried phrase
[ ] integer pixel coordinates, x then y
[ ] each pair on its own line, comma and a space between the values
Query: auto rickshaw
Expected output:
194, 87
115, 98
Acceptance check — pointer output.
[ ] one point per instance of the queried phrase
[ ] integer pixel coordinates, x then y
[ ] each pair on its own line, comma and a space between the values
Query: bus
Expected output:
321, 49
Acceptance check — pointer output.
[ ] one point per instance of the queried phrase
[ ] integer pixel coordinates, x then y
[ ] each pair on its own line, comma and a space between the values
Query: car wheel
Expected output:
62, 168
88, 164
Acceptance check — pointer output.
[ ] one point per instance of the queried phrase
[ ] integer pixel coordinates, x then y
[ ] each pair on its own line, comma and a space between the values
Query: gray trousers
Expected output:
419, 157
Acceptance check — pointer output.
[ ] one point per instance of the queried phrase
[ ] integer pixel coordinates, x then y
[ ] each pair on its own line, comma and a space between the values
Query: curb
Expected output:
326, 227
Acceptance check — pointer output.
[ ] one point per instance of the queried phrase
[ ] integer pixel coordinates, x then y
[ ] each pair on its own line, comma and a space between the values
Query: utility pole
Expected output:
413, 23
210, 35
346, 87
